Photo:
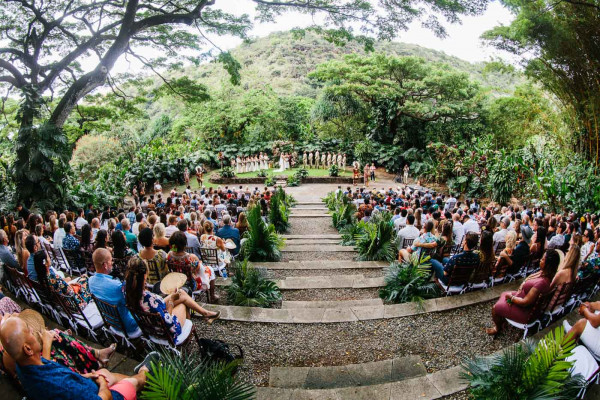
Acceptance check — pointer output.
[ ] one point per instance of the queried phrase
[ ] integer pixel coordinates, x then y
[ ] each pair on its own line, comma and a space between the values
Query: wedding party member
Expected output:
324, 160
317, 159
366, 175
310, 159
328, 161
186, 176
355, 173
344, 162
372, 172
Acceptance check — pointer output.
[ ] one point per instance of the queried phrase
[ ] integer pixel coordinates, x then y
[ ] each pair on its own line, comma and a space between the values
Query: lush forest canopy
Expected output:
482, 129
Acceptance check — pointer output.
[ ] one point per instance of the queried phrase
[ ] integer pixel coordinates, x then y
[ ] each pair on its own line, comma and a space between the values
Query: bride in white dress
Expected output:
282, 163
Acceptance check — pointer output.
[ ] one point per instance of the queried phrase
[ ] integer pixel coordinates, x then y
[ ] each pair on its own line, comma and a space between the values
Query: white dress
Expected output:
281, 164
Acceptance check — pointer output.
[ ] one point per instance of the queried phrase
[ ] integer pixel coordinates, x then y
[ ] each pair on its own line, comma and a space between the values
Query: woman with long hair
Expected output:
538, 246
487, 256
101, 240
86, 238
567, 271
20, 249
242, 223
419, 218
517, 305
174, 309
120, 247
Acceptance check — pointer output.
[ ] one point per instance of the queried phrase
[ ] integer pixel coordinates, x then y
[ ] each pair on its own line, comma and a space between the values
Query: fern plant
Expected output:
350, 232
408, 281
279, 213
262, 242
526, 371
194, 378
334, 170
342, 209
250, 288
377, 241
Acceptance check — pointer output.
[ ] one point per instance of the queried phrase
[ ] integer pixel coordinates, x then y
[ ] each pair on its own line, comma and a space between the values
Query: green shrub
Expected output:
250, 288
262, 173
91, 152
377, 241
279, 213
409, 281
270, 181
526, 371
302, 173
334, 170
263, 243
227, 172
350, 232
194, 378
293, 180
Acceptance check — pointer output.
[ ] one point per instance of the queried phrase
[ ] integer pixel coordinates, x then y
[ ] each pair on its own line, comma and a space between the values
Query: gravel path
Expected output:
311, 226
284, 273
317, 255
441, 339
330, 294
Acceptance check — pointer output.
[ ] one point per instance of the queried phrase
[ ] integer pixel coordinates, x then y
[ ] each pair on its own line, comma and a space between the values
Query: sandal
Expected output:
211, 319
104, 362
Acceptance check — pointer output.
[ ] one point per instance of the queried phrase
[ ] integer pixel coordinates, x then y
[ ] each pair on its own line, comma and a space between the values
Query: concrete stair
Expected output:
322, 265
333, 304
291, 248
356, 281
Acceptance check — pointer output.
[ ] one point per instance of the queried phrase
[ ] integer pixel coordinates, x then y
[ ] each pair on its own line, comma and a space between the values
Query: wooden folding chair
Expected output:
155, 331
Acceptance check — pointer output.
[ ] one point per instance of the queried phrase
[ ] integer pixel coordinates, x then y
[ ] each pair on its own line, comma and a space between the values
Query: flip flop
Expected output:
104, 362
152, 357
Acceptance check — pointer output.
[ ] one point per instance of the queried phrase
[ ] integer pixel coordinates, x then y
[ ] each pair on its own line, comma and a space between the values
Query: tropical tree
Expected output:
400, 93
47, 44
560, 49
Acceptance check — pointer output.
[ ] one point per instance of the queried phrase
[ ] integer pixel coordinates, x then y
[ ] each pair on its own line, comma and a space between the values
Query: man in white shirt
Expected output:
80, 221
457, 229
172, 228
450, 203
192, 240
135, 229
500, 236
469, 223
408, 232
95, 228
60, 233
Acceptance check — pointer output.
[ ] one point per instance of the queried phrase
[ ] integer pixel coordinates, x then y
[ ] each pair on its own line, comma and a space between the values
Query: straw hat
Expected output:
172, 282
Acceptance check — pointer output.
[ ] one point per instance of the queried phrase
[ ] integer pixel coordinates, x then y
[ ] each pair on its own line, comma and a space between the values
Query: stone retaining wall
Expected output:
257, 180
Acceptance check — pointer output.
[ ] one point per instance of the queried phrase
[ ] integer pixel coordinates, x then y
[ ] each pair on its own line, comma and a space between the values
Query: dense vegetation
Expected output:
480, 129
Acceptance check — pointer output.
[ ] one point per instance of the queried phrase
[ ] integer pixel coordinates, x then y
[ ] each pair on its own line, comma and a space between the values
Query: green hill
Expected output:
284, 62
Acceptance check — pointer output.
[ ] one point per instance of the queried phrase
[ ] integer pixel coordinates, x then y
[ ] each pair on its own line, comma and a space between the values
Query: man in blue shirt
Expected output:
110, 290
229, 232
466, 257
43, 379
6, 257
70, 242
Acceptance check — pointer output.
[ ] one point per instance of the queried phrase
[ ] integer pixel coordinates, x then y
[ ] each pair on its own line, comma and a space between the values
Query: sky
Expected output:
462, 41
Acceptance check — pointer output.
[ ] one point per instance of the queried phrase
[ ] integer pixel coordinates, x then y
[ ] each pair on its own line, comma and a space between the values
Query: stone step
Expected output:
310, 203
355, 281
331, 304
310, 207
312, 242
353, 314
427, 387
371, 373
304, 215
319, 248
323, 264
305, 211
332, 236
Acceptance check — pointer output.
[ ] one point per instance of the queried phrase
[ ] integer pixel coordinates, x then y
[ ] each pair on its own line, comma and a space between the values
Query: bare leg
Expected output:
498, 321
187, 301
138, 380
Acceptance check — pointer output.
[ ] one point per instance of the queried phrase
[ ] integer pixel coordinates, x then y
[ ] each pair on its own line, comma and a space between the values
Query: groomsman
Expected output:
317, 159
304, 159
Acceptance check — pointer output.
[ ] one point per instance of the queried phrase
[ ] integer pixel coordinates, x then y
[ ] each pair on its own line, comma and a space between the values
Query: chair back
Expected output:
561, 295
88, 261
462, 273
209, 256
482, 272
75, 261
71, 308
423, 253
179, 264
56, 256
540, 306
153, 326
20, 284
153, 271
406, 243
43, 292
584, 285
501, 268
110, 315
499, 247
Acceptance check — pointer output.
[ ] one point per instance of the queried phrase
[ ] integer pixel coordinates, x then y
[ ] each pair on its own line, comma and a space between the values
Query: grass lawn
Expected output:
288, 172
270, 172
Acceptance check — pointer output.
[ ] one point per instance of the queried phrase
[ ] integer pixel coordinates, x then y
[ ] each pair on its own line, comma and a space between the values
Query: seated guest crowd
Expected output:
497, 241
151, 239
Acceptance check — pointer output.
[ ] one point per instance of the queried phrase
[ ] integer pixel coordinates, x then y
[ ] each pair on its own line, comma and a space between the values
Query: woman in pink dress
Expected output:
517, 306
